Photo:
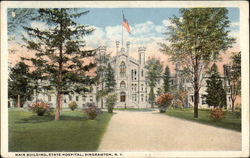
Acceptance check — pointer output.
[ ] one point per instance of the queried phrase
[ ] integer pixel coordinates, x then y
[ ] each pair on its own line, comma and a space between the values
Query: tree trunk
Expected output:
233, 101
58, 106
101, 102
196, 89
18, 101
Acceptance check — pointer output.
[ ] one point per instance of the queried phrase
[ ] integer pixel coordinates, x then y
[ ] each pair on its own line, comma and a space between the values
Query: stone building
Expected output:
131, 86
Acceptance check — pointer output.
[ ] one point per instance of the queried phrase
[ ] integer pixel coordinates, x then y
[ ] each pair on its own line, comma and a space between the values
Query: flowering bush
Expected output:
164, 101
73, 105
39, 107
217, 114
92, 111
110, 102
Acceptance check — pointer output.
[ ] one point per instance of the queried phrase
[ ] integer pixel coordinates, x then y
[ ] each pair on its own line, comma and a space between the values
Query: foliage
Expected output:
238, 112
19, 83
164, 101
196, 38
39, 107
154, 69
217, 114
31, 133
110, 102
92, 111
179, 98
109, 79
233, 75
59, 51
216, 94
73, 105
166, 79
105, 76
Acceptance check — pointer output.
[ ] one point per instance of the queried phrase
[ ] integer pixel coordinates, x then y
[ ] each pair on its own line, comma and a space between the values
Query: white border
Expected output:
244, 41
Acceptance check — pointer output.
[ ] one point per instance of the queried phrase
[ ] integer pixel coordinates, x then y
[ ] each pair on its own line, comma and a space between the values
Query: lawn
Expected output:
74, 132
230, 121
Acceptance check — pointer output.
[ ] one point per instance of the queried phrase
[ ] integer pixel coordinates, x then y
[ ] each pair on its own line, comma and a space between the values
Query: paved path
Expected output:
151, 131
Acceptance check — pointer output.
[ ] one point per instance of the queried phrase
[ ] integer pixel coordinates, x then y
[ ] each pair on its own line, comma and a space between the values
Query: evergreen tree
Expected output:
154, 69
110, 79
166, 79
19, 88
216, 94
197, 37
59, 50
102, 61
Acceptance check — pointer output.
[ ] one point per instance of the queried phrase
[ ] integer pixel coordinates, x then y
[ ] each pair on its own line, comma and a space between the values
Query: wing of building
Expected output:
131, 86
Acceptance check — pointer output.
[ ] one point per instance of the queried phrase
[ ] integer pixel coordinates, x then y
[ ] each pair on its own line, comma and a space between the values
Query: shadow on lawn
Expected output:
48, 118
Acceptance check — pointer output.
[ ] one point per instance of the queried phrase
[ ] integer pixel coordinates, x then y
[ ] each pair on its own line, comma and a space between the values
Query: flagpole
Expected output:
122, 30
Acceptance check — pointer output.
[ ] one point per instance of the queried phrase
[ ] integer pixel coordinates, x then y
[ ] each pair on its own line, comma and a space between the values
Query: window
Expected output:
146, 98
65, 101
192, 98
142, 96
122, 97
142, 87
49, 97
203, 99
83, 98
122, 69
70, 97
91, 98
141, 73
132, 85
122, 84
135, 87
77, 98
132, 74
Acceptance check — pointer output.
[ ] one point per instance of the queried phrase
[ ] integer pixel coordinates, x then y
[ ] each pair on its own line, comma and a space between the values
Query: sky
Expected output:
147, 27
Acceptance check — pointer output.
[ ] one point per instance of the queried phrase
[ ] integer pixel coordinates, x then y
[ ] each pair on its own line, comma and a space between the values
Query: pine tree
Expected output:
154, 69
19, 88
216, 94
59, 50
110, 79
166, 79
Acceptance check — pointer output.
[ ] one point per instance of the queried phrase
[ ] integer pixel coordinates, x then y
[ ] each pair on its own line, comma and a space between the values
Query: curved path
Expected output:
151, 131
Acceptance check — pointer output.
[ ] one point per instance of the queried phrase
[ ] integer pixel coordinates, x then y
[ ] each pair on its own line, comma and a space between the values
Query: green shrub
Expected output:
237, 112
217, 114
39, 107
92, 111
110, 102
164, 101
73, 105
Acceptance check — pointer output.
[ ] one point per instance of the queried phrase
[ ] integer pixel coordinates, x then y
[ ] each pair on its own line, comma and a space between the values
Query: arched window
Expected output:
122, 84
122, 69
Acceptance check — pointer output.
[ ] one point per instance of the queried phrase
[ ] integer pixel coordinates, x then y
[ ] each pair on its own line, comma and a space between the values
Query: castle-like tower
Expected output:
130, 73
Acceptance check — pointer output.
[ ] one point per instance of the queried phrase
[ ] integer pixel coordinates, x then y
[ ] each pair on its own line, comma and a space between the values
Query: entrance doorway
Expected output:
122, 97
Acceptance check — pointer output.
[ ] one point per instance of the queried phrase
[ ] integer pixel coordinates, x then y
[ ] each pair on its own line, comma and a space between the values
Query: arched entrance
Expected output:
122, 97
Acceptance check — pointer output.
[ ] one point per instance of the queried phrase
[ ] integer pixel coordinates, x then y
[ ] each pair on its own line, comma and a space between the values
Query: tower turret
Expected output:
141, 51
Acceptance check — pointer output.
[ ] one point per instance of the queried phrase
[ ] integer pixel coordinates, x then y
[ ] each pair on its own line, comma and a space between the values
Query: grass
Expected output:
73, 132
229, 122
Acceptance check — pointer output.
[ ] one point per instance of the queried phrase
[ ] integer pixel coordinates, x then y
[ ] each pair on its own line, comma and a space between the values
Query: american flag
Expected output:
125, 23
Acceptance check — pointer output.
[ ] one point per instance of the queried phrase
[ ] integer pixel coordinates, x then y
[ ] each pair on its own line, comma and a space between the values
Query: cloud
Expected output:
39, 25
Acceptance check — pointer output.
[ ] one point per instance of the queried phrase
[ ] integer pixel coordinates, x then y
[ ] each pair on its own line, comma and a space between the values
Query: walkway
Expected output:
151, 131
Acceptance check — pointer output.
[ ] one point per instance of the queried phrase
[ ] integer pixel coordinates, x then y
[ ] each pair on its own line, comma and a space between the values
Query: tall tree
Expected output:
59, 50
110, 79
19, 88
102, 60
154, 70
216, 94
166, 79
196, 38
233, 75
